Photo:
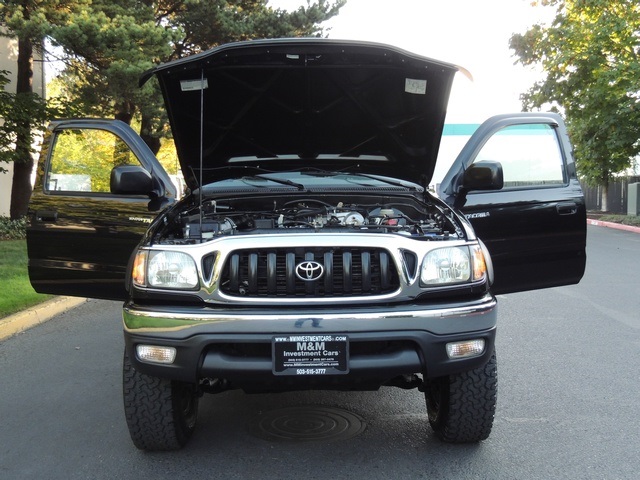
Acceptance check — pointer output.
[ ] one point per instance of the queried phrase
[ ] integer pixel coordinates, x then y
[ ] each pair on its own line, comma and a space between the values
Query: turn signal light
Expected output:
140, 268
156, 354
466, 349
479, 264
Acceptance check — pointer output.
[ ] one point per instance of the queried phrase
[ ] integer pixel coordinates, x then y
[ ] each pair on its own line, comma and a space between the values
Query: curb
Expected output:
615, 226
21, 321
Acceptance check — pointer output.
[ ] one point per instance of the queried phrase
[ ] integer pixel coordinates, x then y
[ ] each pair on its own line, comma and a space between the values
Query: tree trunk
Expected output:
146, 133
21, 189
124, 112
121, 152
23, 164
604, 204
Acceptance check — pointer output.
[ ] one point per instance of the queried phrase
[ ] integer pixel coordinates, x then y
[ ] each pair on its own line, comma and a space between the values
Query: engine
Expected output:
233, 217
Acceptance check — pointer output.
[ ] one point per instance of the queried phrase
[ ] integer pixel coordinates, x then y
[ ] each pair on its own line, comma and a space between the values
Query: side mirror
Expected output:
483, 175
131, 180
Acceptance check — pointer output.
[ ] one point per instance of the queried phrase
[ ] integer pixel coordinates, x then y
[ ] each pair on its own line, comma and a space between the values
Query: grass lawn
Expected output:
16, 292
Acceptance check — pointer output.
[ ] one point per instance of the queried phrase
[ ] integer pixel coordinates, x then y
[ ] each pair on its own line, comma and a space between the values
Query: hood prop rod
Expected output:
201, 160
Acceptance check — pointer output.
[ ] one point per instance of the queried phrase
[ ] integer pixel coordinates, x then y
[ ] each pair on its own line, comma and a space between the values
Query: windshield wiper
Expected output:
327, 173
281, 181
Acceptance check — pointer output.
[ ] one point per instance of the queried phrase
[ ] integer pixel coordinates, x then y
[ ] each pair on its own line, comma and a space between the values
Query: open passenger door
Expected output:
535, 225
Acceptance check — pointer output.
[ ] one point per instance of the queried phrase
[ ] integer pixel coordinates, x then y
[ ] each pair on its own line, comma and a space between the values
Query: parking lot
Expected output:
567, 406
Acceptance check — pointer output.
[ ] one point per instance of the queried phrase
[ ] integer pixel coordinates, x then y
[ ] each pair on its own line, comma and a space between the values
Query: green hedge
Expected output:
624, 219
12, 229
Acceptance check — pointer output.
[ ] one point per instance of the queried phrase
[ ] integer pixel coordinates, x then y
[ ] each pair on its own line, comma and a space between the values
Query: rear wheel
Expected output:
461, 407
161, 414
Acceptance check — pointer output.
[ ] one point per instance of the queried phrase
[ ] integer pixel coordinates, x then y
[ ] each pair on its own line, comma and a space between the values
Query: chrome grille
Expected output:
272, 272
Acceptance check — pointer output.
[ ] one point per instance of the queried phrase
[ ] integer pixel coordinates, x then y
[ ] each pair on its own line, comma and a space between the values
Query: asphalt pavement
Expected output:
567, 404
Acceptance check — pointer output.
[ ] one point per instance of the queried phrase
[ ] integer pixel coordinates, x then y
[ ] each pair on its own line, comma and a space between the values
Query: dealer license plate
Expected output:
310, 354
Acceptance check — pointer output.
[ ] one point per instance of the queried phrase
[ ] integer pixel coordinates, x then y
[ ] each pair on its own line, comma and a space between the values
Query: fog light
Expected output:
155, 354
468, 348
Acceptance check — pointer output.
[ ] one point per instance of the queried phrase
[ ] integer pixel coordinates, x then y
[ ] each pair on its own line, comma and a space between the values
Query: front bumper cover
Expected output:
234, 345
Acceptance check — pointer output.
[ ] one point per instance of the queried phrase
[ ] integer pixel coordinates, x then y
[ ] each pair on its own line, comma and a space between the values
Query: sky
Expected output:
473, 34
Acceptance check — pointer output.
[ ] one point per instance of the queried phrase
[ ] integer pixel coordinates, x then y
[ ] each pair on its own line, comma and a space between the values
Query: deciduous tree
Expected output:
590, 57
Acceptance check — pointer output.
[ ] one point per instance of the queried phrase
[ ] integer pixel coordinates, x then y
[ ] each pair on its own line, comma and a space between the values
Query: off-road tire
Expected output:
161, 414
461, 407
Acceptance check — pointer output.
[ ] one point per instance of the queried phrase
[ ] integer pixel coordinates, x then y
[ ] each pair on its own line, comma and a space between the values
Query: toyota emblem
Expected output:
309, 270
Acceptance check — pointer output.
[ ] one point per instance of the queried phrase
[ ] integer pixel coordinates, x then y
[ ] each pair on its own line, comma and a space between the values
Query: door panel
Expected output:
80, 235
535, 227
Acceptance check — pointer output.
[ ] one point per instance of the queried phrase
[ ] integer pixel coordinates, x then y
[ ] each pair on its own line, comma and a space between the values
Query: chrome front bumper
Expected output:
235, 344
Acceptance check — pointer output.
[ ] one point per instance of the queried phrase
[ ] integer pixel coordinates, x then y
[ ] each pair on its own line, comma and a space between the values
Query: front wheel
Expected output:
461, 407
161, 414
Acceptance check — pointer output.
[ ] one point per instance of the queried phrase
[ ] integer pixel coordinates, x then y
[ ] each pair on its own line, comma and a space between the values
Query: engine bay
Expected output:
405, 215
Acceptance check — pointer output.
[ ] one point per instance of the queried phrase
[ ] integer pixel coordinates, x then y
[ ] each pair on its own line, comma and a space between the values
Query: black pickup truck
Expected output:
307, 250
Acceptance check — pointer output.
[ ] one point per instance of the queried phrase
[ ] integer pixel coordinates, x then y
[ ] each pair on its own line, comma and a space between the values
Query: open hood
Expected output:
288, 104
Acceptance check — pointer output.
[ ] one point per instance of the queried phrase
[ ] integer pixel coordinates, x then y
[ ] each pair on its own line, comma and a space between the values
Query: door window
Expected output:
530, 156
82, 160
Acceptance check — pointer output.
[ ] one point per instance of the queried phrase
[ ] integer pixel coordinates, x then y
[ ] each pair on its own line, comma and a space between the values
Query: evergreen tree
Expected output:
108, 44
104, 66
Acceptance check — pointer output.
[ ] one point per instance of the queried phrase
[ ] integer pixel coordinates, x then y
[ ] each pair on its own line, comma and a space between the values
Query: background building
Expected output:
9, 62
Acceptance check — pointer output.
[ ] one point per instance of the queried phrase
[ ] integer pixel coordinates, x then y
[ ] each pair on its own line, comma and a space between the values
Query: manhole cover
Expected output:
307, 424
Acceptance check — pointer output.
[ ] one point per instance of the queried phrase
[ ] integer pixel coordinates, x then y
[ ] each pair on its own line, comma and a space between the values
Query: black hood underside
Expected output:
290, 104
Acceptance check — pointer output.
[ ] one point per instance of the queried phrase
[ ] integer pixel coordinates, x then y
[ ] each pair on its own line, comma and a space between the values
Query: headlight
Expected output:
451, 265
161, 269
